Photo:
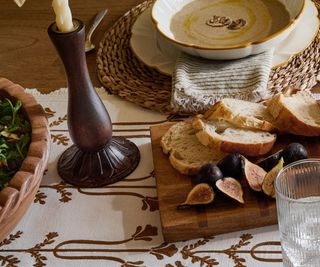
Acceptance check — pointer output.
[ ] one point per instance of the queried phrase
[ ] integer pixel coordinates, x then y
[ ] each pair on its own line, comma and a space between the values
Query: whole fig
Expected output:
268, 163
231, 165
209, 174
294, 152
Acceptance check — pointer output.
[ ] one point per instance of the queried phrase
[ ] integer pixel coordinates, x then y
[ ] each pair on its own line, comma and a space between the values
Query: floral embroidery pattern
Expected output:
60, 139
99, 250
58, 121
187, 252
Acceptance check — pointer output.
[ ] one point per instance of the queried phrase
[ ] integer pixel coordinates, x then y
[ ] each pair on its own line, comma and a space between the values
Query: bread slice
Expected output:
243, 114
187, 154
298, 114
221, 135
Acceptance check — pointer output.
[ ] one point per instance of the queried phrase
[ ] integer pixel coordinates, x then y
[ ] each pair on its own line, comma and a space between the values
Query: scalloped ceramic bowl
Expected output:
163, 11
19, 194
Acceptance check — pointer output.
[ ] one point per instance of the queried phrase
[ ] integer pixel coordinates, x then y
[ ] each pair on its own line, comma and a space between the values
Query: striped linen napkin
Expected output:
198, 83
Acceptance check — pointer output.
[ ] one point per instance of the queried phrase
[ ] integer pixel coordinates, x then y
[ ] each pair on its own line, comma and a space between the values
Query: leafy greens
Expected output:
15, 132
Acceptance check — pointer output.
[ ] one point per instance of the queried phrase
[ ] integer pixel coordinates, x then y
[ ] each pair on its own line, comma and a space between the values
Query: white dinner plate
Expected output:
155, 51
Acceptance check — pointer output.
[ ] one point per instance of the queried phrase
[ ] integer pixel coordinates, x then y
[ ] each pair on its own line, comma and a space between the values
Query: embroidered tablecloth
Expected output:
118, 225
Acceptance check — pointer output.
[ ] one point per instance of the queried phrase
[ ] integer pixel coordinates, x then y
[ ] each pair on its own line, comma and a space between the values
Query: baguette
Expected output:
187, 154
240, 113
298, 114
221, 135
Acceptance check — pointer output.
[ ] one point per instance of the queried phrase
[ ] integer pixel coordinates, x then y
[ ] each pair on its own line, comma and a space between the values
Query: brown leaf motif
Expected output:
206, 261
35, 251
164, 249
151, 202
49, 113
9, 261
40, 198
60, 139
11, 238
145, 234
232, 251
58, 121
65, 195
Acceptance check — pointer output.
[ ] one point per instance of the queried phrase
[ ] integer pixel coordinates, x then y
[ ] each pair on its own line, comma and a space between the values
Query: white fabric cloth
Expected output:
118, 225
198, 83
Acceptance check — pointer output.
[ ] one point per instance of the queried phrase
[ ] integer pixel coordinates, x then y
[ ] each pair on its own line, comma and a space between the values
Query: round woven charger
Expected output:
121, 72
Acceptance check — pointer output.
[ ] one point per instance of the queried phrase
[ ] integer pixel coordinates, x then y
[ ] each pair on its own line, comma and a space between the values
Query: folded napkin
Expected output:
198, 83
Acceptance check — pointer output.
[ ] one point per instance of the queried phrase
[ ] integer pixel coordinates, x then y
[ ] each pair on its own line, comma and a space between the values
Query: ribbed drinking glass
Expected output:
298, 204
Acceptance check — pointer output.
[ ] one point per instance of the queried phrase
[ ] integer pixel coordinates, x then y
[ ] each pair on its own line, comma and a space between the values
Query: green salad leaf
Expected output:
15, 132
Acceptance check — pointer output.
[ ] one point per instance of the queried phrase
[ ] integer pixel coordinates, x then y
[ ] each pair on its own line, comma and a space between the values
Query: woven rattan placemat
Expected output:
121, 72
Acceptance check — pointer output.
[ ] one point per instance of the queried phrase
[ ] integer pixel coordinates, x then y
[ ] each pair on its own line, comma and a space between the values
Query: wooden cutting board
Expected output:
224, 215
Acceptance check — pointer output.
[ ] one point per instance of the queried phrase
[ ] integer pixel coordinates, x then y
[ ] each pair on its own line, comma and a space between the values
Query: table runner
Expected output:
118, 225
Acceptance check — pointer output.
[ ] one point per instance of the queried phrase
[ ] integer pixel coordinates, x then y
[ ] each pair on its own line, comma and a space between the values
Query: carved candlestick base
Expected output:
108, 165
96, 158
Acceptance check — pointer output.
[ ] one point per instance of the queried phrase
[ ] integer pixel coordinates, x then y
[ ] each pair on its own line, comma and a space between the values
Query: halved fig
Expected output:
268, 181
231, 187
199, 195
254, 175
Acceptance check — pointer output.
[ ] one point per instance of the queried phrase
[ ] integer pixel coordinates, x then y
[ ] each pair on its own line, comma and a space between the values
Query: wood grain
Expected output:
27, 56
224, 215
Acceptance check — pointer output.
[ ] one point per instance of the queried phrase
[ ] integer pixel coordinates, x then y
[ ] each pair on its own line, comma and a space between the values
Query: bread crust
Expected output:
251, 149
165, 148
287, 122
220, 111
256, 149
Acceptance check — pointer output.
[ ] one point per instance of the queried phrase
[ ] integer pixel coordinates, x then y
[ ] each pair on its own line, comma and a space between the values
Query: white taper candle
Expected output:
63, 15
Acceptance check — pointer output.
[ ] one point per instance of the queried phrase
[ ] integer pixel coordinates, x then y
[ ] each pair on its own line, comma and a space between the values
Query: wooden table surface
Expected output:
27, 55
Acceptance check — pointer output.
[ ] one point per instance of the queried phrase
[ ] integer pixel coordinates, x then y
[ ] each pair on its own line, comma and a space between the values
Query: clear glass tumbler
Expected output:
298, 204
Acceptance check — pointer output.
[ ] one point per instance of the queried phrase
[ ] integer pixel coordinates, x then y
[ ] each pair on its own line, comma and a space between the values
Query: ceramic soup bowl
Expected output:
226, 29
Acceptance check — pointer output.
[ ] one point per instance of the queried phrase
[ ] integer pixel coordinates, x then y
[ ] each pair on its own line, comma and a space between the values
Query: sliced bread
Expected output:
243, 114
221, 135
297, 114
187, 154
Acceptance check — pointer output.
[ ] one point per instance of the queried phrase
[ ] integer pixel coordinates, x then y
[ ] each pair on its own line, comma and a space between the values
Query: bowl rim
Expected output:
231, 47
29, 176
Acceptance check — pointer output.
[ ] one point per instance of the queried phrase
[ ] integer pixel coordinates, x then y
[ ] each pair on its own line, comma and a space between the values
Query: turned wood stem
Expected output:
89, 123
97, 158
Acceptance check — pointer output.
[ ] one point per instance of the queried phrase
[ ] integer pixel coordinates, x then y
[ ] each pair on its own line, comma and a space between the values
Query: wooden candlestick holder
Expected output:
97, 158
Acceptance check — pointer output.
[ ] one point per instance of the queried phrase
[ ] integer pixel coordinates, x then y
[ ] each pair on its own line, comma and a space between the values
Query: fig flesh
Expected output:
231, 187
200, 194
231, 165
268, 181
208, 174
254, 175
268, 163
294, 152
